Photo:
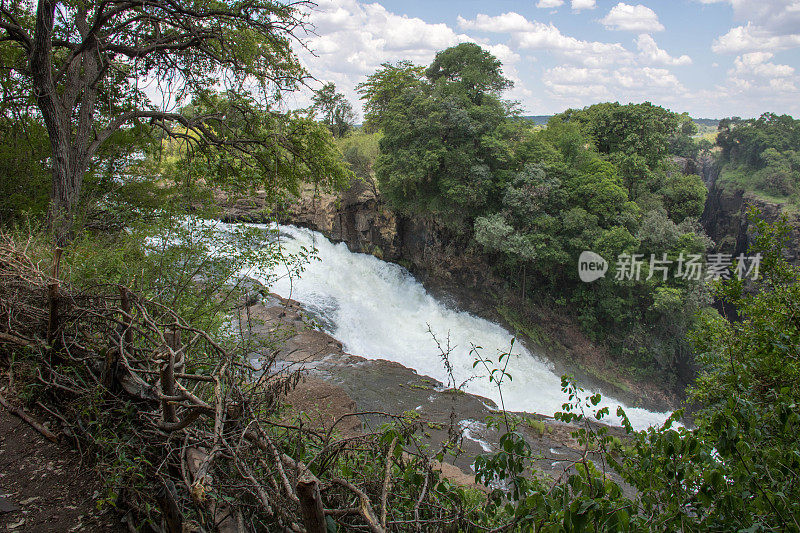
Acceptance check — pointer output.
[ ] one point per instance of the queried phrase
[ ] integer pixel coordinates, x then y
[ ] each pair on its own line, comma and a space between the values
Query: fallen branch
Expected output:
365, 509
49, 435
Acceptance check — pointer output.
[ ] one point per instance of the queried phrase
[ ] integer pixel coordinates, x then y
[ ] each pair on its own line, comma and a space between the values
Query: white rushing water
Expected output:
378, 310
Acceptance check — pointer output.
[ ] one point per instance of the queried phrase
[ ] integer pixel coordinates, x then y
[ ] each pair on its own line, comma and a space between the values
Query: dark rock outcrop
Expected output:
725, 218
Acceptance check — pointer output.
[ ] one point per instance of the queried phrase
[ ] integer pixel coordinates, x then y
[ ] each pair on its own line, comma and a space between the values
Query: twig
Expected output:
387, 481
365, 510
49, 435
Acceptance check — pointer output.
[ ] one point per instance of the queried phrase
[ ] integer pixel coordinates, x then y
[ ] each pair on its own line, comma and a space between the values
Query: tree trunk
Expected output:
65, 194
69, 159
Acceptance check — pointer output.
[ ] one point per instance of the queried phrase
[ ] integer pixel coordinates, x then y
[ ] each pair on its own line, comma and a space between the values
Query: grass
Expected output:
539, 426
733, 179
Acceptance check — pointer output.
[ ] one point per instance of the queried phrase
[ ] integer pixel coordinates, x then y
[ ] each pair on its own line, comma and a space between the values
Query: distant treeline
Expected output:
541, 120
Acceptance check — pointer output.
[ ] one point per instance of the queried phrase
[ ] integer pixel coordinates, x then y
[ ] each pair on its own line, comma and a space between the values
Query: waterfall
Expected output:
379, 311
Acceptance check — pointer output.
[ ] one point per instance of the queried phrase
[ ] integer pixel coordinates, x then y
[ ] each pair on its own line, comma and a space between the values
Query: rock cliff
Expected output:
725, 218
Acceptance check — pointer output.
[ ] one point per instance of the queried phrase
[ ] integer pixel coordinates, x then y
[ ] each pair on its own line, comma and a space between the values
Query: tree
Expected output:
24, 151
468, 69
383, 86
88, 65
444, 138
685, 196
336, 111
634, 129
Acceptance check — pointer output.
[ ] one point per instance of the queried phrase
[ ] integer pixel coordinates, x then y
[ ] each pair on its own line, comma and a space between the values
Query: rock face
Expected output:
357, 218
361, 219
725, 219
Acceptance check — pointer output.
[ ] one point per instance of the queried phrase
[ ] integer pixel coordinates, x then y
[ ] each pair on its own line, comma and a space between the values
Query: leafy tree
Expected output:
640, 129
336, 111
635, 136
24, 181
684, 196
755, 355
761, 154
443, 139
744, 141
387, 83
84, 64
468, 69
360, 150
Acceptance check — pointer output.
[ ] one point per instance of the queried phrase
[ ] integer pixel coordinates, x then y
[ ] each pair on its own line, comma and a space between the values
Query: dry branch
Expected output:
49, 435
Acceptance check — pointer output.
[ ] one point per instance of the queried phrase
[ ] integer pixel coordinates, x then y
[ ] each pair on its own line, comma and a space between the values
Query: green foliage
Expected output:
757, 354
643, 130
442, 142
737, 470
761, 155
24, 176
467, 69
361, 150
337, 113
97, 102
386, 84
444, 136
684, 196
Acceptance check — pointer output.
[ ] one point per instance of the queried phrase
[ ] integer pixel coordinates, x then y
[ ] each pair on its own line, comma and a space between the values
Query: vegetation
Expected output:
533, 199
736, 470
131, 330
82, 69
761, 156
335, 110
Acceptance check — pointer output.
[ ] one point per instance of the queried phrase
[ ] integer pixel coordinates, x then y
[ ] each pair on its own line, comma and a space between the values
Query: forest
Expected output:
121, 314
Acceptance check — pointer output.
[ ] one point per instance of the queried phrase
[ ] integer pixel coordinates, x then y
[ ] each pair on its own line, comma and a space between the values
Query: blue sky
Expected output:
712, 58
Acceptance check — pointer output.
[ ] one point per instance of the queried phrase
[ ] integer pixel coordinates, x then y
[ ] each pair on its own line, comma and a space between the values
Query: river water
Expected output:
379, 311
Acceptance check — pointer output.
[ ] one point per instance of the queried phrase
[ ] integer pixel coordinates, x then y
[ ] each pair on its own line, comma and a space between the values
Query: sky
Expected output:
711, 58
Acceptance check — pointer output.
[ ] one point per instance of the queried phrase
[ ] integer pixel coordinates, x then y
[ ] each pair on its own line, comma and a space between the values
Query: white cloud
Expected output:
632, 18
592, 53
506, 23
754, 79
352, 39
767, 25
756, 64
650, 53
751, 37
534, 35
581, 85
781, 17
503, 52
549, 3
578, 5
